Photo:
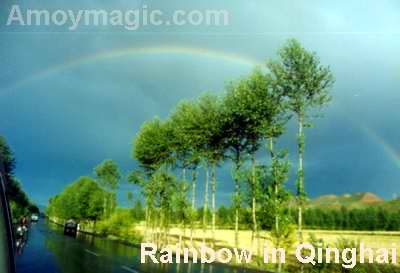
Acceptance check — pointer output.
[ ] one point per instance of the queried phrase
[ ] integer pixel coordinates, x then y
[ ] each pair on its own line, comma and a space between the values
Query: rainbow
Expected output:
388, 149
123, 52
180, 50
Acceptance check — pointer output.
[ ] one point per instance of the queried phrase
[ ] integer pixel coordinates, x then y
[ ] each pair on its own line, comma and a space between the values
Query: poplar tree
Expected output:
299, 75
201, 122
108, 176
186, 148
241, 125
153, 150
213, 147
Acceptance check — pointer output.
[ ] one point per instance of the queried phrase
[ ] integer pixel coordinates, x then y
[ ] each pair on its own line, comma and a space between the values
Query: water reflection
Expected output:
91, 254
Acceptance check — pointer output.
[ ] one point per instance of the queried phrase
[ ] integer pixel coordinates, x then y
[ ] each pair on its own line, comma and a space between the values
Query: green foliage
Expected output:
165, 184
152, 145
16, 195
250, 188
186, 137
19, 201
160, 191
299, 75
181, 205
148, 186
369, 218
305, 84
242, 119
119, 224
198, 131
108, 174
82, 200
285, 236
130, 196
226, 217
211, 128
138, 212
7, 157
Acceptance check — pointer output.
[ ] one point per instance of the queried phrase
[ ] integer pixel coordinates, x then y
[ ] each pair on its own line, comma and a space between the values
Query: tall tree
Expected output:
276, 198
306, 83
149, 190
153, 150
108, 176
185, 143
262, 106
240, 125
212, 146
252, 108
197, 126
181, 207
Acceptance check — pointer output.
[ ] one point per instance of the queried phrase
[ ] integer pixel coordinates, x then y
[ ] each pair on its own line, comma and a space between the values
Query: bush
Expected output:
120, 224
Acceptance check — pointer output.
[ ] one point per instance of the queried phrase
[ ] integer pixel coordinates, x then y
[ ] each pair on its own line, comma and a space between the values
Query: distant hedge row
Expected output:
371, 218
366, 219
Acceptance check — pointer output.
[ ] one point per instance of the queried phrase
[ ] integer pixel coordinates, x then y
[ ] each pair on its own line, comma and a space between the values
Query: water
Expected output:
49, 251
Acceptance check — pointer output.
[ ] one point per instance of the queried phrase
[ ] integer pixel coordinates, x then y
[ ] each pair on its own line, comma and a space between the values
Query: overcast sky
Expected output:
63, 110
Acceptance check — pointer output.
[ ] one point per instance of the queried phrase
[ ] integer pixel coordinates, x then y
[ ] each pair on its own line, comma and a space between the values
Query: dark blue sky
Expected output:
62, 120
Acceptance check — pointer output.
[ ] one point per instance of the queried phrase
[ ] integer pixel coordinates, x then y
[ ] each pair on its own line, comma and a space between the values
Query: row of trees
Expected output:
366, 219
204, 134
19, 201
253, 112
369, 219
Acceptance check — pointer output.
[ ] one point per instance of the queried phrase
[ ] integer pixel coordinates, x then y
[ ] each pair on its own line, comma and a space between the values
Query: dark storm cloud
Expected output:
61, 124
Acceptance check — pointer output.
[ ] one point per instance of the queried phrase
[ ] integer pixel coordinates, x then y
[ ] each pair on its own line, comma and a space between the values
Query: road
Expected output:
49, 251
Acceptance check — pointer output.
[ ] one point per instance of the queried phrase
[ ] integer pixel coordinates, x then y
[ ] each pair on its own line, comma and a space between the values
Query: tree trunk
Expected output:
213, 193
146, 224
113, 202
237, 227
271, 148
194, 178
237, 201
253, 203
184, 174
105, 205
275, 183
300, 176
205, 205
180, 235
183, 219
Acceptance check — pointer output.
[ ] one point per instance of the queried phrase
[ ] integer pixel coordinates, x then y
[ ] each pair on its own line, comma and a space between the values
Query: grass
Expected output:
372, 239
226, 238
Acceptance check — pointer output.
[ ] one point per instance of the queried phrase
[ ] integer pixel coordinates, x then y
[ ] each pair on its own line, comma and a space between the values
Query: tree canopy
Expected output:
82, 200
